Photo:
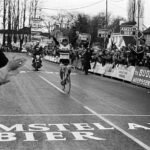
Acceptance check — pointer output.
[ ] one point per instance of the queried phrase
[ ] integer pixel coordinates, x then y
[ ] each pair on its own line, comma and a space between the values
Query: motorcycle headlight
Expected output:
37, 56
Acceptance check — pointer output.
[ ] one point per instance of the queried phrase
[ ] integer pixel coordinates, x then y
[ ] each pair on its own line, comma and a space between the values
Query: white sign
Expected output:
36, 25
128, 30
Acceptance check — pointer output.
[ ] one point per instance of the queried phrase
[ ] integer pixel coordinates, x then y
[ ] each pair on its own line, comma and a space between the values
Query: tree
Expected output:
9, 23
48, 22
82, 23
97, 22
4, 20
133, 8
115, 24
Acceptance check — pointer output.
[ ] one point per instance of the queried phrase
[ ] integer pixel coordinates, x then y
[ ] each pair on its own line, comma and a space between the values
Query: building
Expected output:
127, 34
147, 36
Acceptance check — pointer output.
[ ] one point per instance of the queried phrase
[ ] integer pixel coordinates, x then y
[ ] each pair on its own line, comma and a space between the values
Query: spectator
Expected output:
9, 68
86, 60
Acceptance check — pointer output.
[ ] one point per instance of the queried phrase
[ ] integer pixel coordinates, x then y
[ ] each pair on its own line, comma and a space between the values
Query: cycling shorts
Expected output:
64, 61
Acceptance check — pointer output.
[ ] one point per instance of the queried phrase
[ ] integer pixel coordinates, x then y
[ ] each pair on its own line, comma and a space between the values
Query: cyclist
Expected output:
64, 49
64, 52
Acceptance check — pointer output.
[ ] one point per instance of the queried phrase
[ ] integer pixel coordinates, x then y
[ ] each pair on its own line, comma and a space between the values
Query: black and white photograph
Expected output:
74, 74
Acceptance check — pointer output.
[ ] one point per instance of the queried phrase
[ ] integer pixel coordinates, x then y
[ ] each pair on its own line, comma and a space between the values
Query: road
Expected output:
99, 114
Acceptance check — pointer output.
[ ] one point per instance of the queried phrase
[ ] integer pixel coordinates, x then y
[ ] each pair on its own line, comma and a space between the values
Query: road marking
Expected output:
124, 115
48, 115
23, 71
119, 129
52, 85
43, 115
47, 72
103, 118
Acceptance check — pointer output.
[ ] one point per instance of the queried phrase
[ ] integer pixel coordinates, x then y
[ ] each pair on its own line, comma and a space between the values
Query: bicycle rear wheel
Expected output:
62, 82
68, 84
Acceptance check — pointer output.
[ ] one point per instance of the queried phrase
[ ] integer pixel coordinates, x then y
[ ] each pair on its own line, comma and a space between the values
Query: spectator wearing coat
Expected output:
86, 60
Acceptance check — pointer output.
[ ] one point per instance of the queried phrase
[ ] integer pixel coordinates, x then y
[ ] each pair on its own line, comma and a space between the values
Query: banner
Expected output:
141, 77
125, 73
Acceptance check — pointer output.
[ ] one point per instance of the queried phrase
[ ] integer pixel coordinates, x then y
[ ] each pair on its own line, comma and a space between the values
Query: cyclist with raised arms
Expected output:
64, 49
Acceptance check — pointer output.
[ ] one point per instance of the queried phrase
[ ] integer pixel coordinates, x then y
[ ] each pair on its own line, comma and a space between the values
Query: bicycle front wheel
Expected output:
68, 84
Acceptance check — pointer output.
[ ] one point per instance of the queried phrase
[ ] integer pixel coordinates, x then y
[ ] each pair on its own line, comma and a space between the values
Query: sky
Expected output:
93, 7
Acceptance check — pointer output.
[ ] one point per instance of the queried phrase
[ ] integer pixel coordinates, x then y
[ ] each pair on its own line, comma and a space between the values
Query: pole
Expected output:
106, 24
4, 22
138, 13
106, 13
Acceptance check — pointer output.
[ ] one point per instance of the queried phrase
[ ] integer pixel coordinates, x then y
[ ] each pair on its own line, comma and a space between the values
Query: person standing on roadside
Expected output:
86, 60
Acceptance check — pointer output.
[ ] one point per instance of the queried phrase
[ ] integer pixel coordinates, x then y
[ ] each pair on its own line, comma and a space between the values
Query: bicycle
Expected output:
66, 79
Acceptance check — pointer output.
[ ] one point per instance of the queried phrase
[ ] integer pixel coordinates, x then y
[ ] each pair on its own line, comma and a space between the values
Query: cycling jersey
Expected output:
64, 52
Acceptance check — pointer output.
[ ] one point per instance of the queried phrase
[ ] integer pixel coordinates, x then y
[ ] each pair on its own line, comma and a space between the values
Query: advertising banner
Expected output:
125, 73
141, 77
120, 72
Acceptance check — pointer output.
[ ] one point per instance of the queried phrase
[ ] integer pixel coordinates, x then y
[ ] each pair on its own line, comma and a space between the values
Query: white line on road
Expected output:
52, 85
49, 115
119, 129
124, 115
47, 72
146, 147
43, 115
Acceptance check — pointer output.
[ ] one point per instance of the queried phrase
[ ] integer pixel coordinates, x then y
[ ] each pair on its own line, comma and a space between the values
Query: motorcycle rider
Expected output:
37, 50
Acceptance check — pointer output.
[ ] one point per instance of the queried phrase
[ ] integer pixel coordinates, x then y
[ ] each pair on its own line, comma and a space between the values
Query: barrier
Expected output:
122, 72
136, 75
141, 77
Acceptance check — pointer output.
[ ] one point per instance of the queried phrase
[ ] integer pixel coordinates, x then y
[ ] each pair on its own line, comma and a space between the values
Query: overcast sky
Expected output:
93, 7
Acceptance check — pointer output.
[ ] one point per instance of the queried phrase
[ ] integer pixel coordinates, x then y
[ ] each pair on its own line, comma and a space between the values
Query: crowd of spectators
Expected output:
129, 56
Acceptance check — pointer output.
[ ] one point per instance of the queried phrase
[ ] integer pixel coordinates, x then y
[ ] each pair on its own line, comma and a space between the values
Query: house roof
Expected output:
147, 31
130, 23
129, 40
25, 30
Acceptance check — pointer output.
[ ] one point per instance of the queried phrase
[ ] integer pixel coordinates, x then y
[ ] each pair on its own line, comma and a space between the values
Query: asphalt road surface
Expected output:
99, 114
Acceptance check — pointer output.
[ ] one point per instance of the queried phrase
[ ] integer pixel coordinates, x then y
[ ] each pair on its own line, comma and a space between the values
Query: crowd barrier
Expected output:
134, 74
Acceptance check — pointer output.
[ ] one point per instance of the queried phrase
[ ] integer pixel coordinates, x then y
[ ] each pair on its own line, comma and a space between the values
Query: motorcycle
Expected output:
37, 62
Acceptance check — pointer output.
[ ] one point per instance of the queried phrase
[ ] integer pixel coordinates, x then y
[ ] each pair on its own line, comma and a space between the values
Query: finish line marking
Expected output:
103, 118
43, 115
61, 115
47, 72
